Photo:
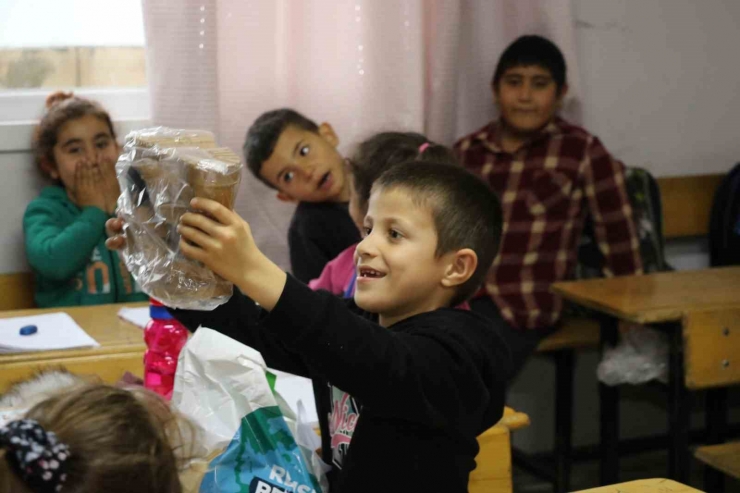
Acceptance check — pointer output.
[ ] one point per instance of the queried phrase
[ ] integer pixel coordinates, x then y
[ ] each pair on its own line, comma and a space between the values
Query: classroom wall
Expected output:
20, 183
660, 81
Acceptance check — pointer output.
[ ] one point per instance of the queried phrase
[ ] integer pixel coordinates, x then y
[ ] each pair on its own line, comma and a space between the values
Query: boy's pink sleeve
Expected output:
336, 274
323, 281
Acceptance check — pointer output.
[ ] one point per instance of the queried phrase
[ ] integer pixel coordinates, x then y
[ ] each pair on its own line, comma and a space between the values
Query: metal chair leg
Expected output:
564, 370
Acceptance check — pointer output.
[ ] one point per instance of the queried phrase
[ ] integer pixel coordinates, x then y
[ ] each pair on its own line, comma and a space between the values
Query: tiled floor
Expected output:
639, 466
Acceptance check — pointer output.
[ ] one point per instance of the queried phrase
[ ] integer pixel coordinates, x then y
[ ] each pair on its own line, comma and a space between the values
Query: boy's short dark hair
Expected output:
264, 133
532, 50
386, 150
466, 212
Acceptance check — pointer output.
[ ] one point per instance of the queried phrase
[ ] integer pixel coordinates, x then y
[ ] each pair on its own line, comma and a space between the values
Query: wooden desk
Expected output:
662, 299
644, 486
121, 347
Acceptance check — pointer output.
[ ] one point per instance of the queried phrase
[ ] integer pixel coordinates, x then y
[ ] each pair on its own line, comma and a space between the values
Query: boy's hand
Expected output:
114, 230
226, 246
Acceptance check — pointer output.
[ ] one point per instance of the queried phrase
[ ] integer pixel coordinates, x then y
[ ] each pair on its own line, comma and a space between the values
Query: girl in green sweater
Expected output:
75, 145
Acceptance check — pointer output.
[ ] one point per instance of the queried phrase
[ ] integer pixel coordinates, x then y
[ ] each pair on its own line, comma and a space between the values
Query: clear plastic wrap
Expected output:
640, 356
160, 171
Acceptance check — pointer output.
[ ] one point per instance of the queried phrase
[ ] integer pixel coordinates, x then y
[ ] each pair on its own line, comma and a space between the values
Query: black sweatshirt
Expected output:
318, 232
426, 386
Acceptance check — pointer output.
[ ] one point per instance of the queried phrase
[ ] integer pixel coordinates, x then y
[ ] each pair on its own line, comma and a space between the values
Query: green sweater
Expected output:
65, 246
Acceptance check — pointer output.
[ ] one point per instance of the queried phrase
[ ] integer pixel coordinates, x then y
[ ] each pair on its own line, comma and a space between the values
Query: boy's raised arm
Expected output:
419, 376
239, 319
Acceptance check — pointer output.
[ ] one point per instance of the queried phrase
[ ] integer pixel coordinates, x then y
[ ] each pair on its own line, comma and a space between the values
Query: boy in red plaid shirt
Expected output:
550, 176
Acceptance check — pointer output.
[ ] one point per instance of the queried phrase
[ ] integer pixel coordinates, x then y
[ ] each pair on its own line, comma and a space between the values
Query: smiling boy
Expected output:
411, 382
291, 154
550, 176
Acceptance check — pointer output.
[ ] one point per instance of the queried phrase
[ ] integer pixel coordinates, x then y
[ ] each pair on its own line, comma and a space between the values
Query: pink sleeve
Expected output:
337, 273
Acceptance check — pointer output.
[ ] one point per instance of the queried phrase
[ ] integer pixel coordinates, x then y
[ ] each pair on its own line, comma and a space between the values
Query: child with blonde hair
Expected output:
94, 438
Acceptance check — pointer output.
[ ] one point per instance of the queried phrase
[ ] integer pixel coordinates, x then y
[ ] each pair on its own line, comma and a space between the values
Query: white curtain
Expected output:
362, 65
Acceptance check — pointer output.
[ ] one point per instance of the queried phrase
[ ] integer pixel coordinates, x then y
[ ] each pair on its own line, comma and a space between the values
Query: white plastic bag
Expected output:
250, 434
640, 356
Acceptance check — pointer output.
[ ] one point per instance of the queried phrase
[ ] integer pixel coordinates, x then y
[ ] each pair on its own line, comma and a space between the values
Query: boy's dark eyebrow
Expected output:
102, 134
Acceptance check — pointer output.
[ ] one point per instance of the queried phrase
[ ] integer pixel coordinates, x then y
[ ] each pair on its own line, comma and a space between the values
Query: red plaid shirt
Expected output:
546, 189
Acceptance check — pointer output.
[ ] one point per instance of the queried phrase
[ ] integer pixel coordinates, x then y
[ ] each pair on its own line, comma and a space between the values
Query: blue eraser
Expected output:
28, 330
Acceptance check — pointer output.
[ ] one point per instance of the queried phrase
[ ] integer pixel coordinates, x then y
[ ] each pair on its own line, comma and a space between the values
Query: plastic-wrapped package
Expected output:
640, 356
160, 171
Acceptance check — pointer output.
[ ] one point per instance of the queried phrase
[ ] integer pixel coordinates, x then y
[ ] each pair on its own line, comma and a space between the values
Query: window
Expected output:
92, 47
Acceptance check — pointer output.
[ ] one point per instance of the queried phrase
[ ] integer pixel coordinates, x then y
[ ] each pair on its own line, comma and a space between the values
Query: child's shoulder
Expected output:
460, 324
481, 134
51, 197
311, 214
466, 333
569, 129
53, 193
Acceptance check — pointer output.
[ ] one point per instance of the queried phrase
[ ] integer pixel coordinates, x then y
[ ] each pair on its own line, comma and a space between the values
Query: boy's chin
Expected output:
528, 127
368, 304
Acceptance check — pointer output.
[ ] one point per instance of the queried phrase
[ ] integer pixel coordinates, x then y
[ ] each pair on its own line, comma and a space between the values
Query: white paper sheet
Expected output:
55, 331
137, 316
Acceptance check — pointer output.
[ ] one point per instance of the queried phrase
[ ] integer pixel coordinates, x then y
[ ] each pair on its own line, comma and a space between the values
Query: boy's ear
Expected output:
49, 168
461, 267
284, 197
327, 132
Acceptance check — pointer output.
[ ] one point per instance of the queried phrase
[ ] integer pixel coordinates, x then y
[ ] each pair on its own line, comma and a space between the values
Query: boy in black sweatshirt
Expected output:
299, 159
410, 383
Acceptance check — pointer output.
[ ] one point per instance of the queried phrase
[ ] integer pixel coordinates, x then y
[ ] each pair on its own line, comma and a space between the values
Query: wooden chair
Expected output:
686, 202
493, 471
655, 485
724, 457
16, 291
712, 363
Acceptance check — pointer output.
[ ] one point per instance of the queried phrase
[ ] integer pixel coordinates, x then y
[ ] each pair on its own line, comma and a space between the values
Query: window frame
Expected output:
20, 111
